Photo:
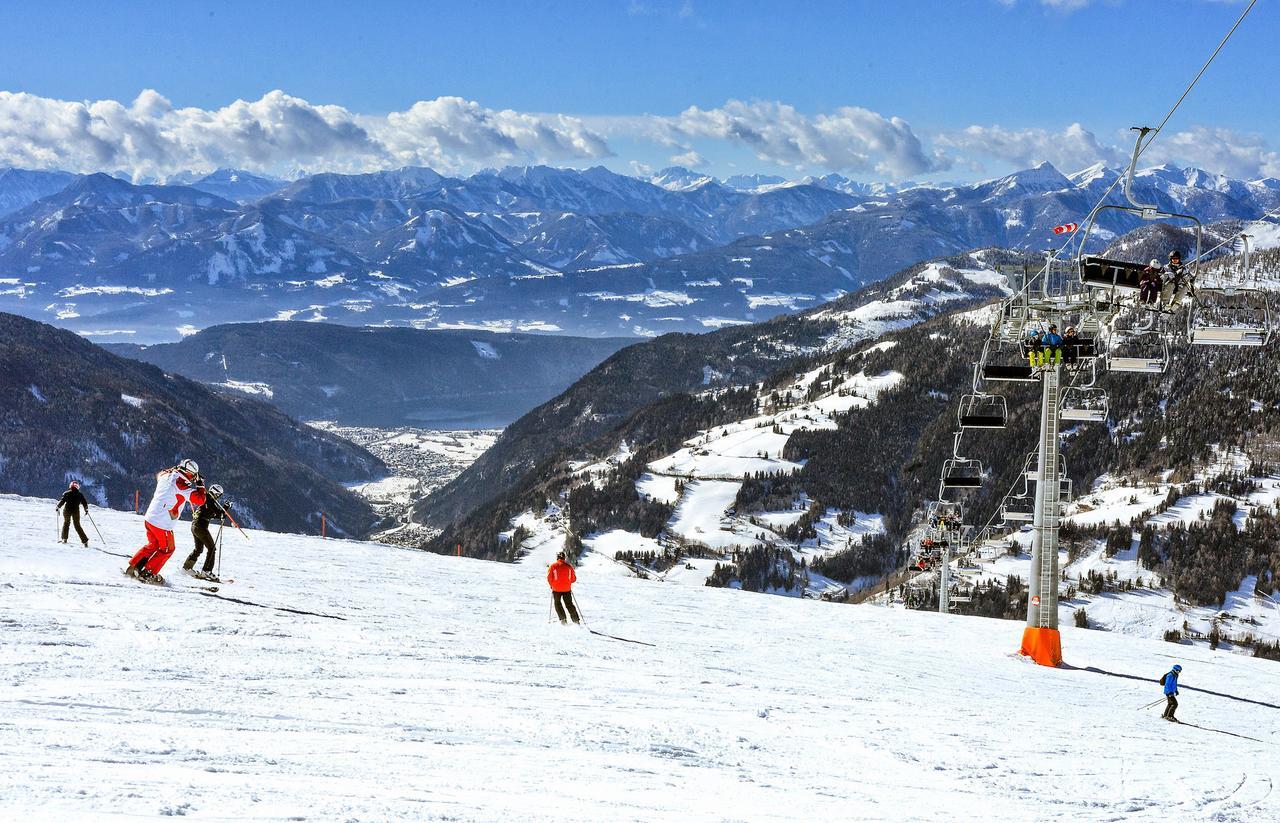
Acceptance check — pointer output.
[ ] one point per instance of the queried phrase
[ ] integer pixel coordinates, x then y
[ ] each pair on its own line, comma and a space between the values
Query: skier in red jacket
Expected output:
561, 577
175, 488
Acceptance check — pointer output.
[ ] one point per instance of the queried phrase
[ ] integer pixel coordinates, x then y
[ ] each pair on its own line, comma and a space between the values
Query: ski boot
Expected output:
145, 576
205, 575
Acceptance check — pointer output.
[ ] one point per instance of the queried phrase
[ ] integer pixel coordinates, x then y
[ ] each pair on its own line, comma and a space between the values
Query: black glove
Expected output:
226, 505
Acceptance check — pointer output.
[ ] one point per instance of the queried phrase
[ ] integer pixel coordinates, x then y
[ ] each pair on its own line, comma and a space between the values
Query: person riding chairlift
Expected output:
1071, 344
1052, 342
1149, 283
1176, 283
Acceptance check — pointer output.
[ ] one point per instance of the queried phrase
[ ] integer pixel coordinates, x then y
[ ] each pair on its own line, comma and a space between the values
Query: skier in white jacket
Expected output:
174, 488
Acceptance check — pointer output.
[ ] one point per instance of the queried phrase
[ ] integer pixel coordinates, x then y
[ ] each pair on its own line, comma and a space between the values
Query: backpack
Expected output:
1163, 678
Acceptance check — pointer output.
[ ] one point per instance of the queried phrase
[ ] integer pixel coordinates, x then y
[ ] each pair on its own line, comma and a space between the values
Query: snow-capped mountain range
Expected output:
522, 248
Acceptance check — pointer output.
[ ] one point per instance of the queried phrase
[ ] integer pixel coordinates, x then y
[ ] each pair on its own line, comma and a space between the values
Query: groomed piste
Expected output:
444, 693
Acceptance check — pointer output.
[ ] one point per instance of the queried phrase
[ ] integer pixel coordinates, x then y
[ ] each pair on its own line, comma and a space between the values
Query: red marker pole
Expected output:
459, 550
322, 524
135, 501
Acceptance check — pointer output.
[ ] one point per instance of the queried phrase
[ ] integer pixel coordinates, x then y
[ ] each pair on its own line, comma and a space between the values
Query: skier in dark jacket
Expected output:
200, 517
1171, 693
71, 502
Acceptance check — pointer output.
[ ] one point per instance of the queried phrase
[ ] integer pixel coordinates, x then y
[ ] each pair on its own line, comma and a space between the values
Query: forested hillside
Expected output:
72, 410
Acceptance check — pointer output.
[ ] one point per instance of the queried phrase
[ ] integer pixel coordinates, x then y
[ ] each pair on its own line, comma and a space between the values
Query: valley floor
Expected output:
433, 688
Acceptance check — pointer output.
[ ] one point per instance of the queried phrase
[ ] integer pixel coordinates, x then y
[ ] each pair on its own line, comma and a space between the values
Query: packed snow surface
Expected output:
434, 688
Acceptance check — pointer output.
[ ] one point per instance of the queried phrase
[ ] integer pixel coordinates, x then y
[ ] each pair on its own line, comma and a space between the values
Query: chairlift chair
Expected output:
961, 473
983, 411
1122, 276
1021, 512
1229, 316
1142, 353
1084, 405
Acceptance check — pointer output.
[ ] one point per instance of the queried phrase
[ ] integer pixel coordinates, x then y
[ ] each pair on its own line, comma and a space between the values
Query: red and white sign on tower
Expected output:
1066, 228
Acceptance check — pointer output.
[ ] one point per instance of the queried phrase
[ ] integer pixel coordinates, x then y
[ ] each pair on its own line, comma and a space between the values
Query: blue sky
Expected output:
880, 89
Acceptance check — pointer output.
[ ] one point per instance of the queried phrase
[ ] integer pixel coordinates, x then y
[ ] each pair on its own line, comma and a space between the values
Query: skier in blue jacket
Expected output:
1170, 681
1052, 342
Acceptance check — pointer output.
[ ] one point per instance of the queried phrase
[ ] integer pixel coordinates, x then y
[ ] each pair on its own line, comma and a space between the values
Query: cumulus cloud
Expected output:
1073, 148
1245, 156
1222, 150
849, 139
689, 159
282, 134
278, 133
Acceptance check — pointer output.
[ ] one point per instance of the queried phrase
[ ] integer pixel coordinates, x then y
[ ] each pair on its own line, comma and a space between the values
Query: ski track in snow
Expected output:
445, 694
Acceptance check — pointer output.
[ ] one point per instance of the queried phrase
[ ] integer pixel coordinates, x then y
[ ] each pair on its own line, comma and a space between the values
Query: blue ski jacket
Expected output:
1052, 339
1171, 683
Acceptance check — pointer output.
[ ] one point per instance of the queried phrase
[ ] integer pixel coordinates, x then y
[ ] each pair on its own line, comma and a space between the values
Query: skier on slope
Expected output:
1170, 683
71, 502
174, 489
561, 576
212, 507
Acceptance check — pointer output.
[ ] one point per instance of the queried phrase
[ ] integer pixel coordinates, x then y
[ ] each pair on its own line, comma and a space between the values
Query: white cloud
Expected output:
850, 139
278, 133
689, 159
1246, 156
1238, 155
1073, 148
283, 134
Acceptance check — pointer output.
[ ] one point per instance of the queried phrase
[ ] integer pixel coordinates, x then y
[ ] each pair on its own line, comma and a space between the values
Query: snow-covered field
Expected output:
442, 693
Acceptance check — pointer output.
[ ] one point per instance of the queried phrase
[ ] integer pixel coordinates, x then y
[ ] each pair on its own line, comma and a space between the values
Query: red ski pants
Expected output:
157, 552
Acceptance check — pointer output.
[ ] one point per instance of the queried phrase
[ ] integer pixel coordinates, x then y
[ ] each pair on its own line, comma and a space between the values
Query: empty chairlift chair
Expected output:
1139, 353
983, 411
961, 473
1229, 317
1084, 405
1018, 511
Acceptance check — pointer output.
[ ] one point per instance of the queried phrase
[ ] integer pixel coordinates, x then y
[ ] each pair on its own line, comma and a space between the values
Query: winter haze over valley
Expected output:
642, 410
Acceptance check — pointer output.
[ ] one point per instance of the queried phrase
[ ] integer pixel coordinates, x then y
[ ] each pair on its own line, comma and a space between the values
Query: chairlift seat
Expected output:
1024, 374
983, 411
1144, 365
1019, 516
961, 473
1228, 336
1119, 274
982, 421
1085, 415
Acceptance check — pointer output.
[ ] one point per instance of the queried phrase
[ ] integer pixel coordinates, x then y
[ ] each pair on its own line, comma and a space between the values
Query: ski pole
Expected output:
95, 528
57, 525
574, 601
218, 543
237, 525
1152, 703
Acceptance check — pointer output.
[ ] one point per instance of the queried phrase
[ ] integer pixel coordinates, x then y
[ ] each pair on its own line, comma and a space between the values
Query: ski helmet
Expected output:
189, 466
75, 484
1177, 667
215, 490
1155, 264
559, 555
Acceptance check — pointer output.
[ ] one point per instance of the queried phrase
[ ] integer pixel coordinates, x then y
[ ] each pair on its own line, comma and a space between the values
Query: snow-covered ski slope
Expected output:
443, 693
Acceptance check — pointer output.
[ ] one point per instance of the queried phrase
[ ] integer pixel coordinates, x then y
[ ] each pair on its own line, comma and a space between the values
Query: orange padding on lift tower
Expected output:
1042, 645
